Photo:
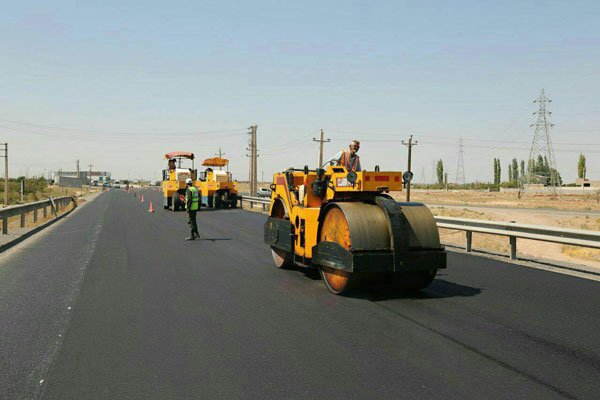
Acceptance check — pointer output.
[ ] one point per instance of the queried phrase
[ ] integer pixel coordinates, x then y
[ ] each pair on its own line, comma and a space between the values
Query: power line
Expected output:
106, 132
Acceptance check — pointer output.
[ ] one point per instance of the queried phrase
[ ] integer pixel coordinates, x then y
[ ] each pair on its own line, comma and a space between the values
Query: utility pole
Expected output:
409, 144
78, 176
5, 155
321, 142
460, 168
90, 178
253, 160
220, 154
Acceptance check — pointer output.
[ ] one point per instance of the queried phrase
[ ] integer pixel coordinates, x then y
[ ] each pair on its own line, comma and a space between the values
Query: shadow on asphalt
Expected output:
439, 289
214, 239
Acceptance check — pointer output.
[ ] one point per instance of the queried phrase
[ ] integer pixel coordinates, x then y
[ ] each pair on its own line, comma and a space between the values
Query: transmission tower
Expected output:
542, 144
460, 168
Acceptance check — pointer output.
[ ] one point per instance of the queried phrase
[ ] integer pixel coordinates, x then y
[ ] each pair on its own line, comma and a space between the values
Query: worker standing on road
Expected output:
192, 204
347, 158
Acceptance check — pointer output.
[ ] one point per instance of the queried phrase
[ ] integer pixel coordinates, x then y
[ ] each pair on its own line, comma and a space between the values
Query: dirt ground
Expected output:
505, 199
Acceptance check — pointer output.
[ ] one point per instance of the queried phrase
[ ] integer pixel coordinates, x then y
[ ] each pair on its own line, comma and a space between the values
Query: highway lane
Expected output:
157, 317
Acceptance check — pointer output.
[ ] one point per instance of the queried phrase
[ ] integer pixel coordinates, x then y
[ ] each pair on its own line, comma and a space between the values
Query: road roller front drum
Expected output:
364, 231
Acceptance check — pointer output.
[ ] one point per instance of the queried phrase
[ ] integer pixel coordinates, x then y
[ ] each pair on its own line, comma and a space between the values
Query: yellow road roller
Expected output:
217, 188
174, 177
347, 226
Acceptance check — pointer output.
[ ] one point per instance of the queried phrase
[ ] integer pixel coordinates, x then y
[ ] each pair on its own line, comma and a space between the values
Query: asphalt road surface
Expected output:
112, 303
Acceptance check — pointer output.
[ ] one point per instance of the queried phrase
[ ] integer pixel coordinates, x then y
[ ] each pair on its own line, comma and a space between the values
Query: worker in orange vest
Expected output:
347, 158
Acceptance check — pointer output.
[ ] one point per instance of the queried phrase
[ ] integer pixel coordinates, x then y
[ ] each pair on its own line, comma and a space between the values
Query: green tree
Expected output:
510, 174
515, 170
440, 171
581, 170
497, 171
522, 169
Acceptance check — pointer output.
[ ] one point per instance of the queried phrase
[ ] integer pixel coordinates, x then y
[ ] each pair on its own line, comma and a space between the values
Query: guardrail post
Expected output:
5, 226
264, 207
469, 240
45, 211
23, 219
513, 247
35, 215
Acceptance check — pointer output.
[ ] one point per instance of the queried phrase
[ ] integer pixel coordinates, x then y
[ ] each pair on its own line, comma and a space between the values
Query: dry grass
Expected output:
581, 253
506, 199
457, 213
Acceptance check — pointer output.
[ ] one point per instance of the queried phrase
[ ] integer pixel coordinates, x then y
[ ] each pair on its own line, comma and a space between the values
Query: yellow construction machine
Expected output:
217, 188
346, 225
174, 179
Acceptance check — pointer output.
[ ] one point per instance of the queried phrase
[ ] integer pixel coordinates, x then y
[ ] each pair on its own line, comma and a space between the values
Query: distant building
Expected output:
72, 179
584, 182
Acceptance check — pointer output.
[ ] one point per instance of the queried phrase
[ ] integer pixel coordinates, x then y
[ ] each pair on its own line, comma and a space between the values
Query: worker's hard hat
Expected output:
188, 181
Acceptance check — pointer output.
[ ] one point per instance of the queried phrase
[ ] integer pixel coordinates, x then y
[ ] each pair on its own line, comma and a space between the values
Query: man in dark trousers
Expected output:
192, 202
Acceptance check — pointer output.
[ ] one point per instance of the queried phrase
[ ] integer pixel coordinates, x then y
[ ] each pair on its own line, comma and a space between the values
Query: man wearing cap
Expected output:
192, 205
347, 158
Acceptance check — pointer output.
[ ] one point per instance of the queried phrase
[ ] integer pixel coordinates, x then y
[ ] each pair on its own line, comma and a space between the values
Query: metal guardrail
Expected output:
265, 201
55, 204
512, 230
574, 237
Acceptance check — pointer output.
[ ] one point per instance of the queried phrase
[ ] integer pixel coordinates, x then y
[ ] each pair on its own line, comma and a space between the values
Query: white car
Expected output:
117, 184
264, 192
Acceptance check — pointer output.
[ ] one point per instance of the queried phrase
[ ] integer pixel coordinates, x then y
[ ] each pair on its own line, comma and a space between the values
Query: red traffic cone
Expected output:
142, 198
151, 208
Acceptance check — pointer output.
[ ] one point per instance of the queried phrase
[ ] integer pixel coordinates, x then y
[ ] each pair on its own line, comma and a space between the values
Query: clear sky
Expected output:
119, 83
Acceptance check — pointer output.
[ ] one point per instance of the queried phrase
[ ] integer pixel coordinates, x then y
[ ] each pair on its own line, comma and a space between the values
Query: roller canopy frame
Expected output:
215, 162
179, 154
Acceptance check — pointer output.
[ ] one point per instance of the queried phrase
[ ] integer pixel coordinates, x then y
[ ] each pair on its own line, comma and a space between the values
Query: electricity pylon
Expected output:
542, 144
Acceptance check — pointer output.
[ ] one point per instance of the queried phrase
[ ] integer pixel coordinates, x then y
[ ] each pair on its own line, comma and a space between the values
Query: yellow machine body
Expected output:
348, 226
174, 177
217, 188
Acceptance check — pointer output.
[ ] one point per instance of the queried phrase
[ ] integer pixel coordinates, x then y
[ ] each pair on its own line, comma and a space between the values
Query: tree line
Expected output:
538, 170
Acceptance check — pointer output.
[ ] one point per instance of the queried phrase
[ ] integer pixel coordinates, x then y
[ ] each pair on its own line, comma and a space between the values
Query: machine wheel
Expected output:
414, 281
233, 201
335, 229
281, 258
175, 202
218, 202
338, 281
209, 202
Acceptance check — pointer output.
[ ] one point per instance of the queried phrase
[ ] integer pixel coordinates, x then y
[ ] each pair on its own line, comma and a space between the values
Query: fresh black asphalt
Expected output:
155, 317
